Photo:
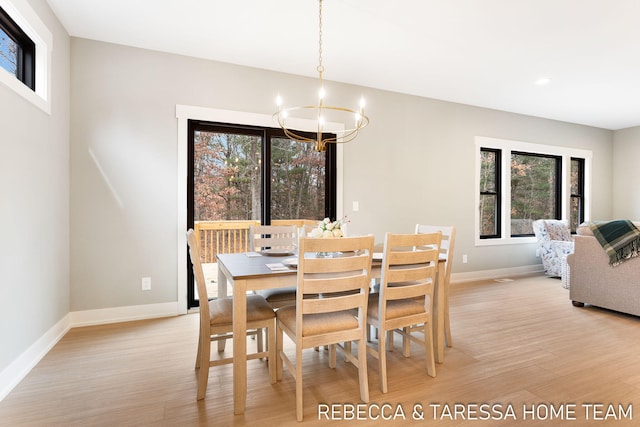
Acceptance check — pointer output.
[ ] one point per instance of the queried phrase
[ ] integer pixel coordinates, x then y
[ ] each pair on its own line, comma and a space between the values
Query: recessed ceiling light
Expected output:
543, 81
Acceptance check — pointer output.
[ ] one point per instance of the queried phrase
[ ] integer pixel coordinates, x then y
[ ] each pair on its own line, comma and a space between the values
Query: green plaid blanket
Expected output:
620, 239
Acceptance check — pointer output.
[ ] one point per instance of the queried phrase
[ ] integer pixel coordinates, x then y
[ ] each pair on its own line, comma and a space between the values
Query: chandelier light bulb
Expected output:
321, 93
278, 101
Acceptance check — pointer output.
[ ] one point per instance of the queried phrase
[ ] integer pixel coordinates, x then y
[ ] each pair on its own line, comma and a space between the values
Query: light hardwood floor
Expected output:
518, 345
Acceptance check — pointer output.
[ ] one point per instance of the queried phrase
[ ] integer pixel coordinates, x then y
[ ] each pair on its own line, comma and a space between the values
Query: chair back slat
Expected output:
273, 237
332, 283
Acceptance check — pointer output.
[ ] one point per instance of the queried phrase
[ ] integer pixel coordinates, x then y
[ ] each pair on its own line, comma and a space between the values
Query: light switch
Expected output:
356, 206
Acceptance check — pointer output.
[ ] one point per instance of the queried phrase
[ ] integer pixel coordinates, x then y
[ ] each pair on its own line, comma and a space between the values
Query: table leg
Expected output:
222, 292
239, 346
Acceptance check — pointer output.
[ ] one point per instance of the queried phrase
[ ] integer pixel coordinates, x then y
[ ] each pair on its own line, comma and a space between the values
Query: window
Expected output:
576, 212
256, 173
535, 190
25, 53
302, 183
519, 182
17, 51
490, 193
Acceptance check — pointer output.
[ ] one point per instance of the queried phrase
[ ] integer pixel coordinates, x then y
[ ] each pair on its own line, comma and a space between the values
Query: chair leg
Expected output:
348, 349
382, 360
299, 402
203, 373
279, 346
198, 351
362, 370
406, 342
272, 348
428, 350
332, 356
260, 340
447, 324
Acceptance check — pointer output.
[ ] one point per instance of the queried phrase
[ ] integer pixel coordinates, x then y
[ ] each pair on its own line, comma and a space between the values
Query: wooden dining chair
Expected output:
404, 302
216, 323
338, 316
275, 237
446, 251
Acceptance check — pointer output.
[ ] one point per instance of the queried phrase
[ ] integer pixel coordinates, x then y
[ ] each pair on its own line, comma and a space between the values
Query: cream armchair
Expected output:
555, 242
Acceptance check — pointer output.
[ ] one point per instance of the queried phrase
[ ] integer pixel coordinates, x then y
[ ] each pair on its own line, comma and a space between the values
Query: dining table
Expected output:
253, 271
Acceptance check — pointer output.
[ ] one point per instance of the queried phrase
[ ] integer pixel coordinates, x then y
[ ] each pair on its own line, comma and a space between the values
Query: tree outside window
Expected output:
576, 212
256, 174
8, 53
535, 190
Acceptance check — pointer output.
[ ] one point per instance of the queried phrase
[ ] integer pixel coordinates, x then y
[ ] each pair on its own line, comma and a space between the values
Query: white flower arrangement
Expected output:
326, 228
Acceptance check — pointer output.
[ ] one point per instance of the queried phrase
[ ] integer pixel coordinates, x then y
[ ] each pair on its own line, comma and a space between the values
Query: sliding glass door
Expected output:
239, 175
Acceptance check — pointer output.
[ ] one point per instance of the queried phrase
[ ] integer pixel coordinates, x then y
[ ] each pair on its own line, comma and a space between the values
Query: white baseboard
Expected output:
495, 274
19, 368
123, 314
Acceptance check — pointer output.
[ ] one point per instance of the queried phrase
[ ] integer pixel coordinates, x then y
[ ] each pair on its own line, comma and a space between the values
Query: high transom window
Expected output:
17, 51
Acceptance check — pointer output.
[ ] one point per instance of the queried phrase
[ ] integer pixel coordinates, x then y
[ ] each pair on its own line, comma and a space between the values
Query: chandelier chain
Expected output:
320, 67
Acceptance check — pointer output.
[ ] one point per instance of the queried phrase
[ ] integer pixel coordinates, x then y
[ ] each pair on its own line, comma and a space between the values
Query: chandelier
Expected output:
318, 112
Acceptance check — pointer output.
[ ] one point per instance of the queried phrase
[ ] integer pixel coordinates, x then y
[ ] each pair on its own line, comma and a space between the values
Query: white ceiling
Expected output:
487, 53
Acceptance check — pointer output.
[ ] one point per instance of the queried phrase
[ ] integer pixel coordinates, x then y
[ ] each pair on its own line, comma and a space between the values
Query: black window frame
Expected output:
497, 194
580, 194
26, 55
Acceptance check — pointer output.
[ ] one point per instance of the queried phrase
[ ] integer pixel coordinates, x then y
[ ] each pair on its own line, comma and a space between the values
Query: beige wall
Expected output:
34, 206
414, 163
626, 155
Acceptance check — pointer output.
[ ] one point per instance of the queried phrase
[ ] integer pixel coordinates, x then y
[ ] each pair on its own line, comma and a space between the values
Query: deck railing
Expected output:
222, 237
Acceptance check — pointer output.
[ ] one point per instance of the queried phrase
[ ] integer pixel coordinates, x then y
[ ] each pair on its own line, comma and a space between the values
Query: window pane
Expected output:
576, 213
227, 172
488, 171
488, 210
534, 185
489, 193
8, 53
297, 180
575, 177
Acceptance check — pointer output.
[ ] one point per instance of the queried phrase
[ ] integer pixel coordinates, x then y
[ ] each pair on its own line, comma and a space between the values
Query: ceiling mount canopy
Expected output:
318, 113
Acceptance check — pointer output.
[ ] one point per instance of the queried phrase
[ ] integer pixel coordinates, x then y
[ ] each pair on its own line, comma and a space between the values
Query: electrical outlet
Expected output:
465, 259
146, 283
